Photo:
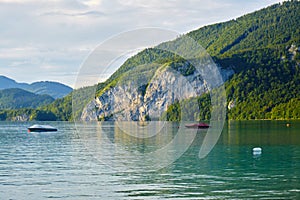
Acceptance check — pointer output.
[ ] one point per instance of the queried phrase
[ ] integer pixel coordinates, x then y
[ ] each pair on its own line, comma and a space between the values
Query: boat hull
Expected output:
41, 130
197, 126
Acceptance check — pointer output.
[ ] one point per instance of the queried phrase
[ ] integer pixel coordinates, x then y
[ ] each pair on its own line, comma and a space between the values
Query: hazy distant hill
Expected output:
54, 89
15, 98
6, 83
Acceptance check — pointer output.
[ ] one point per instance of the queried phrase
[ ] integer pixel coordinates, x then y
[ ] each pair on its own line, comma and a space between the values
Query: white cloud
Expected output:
92, 3
16, 1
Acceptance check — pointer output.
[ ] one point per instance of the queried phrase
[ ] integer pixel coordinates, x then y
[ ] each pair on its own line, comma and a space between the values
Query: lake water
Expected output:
100, 161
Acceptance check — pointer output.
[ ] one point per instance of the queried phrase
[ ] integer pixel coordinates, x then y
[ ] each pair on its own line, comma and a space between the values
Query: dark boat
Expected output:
198, 125
41, 128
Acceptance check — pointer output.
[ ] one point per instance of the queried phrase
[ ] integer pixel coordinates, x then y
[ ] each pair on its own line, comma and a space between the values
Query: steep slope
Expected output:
262, 48
271, 27
15, 98
275, 28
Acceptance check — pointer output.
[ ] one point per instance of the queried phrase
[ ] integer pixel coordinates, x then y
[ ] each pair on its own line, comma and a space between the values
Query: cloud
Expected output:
92, 3
16, 1
74, 14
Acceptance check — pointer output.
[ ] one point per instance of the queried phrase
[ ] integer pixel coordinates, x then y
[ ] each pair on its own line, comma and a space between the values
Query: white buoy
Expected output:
256, 151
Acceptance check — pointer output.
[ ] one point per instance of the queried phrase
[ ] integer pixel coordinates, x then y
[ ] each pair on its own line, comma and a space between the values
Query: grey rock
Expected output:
124, 102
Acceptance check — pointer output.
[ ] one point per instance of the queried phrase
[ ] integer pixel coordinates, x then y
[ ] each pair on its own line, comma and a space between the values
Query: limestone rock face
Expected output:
142, 98
21, 118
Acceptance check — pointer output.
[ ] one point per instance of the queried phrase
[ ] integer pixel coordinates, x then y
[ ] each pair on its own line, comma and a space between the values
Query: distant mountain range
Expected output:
54, 89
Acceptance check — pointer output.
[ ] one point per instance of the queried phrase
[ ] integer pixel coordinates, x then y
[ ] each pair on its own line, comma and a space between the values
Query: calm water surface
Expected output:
72, 164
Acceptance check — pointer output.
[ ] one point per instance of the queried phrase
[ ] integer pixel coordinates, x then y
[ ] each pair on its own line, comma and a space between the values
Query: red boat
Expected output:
199, 125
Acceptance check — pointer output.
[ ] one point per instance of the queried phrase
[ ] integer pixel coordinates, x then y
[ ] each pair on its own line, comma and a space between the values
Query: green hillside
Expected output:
268, 31
17, 98
55, 110
271, 27
62, 108
263, 50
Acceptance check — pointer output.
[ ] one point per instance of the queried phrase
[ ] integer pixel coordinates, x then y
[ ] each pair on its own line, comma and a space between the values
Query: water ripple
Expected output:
58, 166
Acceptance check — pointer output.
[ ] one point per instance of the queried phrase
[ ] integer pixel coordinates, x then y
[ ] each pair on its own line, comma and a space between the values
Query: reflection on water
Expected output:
99, 161
141, 149
261, 132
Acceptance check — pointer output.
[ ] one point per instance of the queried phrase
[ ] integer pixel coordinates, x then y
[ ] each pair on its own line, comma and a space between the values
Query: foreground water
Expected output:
72, 164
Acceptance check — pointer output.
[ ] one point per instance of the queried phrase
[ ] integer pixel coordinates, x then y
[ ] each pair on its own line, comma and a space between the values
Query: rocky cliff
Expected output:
148, 95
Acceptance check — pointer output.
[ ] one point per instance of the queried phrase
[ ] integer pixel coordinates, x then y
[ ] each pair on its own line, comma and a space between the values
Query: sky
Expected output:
50, 39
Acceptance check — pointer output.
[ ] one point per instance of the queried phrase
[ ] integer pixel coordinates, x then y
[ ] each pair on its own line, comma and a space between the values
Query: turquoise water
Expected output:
72, 164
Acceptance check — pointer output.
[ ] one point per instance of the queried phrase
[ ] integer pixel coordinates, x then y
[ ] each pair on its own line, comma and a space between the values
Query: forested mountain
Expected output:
54, 89
17, 98
261, 48
56, 110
